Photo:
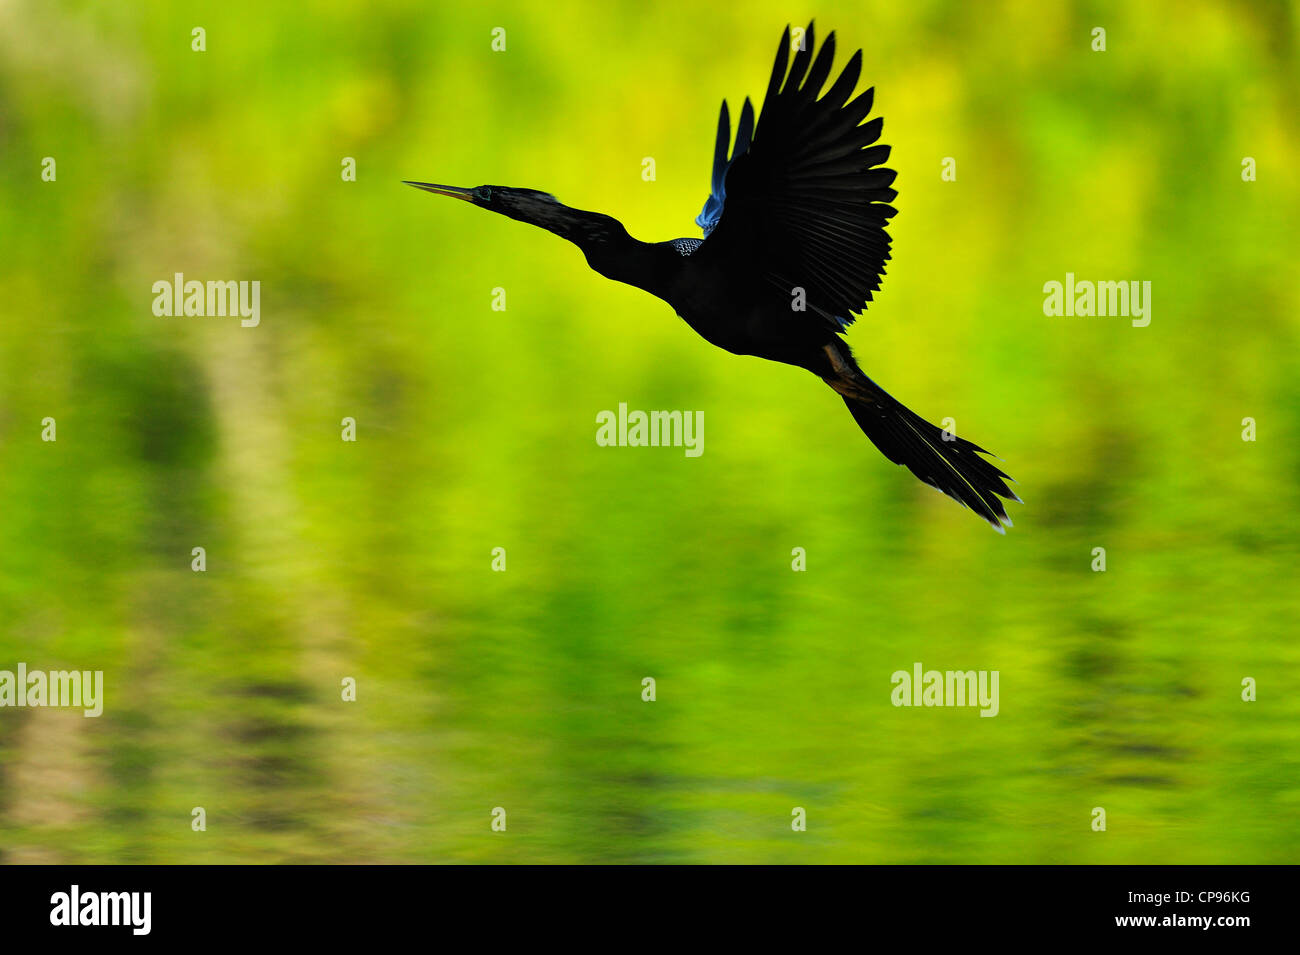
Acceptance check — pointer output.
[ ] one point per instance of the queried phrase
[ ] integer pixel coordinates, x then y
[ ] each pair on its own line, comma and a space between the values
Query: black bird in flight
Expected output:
794, 245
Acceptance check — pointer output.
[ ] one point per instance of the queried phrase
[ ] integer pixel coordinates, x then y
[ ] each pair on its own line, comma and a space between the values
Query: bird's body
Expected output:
728, 312
794, 245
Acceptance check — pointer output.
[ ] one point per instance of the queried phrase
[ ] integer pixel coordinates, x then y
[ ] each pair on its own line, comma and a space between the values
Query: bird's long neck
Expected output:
608, 247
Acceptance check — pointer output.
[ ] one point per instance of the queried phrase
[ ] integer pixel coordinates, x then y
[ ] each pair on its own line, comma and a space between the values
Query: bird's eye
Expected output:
483, 193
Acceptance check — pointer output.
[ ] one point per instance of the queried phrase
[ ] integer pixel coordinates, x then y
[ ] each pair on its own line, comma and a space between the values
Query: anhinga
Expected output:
794, 244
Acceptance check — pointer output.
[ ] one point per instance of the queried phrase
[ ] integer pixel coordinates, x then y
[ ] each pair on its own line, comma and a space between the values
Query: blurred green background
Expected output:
476, 430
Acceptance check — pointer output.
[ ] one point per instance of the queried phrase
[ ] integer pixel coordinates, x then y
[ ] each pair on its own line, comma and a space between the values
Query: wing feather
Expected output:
804, 198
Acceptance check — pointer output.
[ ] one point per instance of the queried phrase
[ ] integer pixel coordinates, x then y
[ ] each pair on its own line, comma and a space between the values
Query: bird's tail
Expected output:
940, 459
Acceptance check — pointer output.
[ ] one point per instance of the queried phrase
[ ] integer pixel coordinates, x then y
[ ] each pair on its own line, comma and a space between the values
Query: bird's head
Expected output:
586, 229
526, 205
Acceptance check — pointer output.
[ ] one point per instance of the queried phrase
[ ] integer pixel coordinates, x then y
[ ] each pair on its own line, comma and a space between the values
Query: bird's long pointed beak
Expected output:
456, 192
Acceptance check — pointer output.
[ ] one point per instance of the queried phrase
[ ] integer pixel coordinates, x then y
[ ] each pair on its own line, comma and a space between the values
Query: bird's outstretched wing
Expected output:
712, 211
803, 199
